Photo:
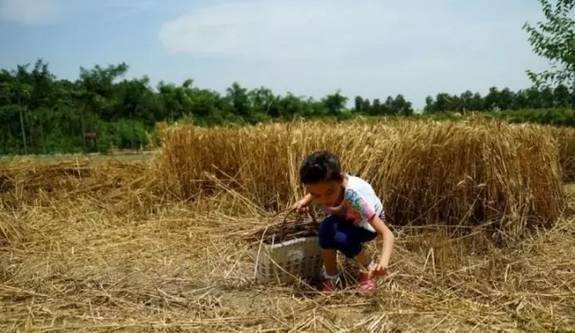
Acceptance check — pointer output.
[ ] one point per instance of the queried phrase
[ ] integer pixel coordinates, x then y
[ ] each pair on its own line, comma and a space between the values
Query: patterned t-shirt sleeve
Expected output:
359, 205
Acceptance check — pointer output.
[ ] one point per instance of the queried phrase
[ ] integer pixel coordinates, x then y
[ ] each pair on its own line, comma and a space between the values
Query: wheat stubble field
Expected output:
482, 211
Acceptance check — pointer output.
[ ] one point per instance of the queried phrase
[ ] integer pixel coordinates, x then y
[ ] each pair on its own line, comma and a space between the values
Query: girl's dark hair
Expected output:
320, 166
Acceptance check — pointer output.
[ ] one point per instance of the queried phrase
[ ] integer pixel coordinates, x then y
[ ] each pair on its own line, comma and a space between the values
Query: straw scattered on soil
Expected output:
109, 247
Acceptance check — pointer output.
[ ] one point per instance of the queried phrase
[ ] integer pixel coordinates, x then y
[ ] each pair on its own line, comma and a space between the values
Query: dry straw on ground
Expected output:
109, 246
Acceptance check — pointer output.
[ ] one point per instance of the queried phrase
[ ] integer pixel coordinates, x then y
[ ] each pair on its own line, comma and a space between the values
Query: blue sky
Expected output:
308, 47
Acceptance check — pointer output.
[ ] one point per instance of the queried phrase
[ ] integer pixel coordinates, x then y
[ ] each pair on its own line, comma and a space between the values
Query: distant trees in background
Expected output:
532, 98
101, 109
40, 113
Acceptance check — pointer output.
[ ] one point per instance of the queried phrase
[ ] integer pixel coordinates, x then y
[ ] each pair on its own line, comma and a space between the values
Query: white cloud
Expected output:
367, 47
29, 12
281, 29
131, 5
322, 30
39, 12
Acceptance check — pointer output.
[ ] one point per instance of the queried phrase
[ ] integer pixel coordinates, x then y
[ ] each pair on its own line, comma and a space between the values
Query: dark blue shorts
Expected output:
337, 233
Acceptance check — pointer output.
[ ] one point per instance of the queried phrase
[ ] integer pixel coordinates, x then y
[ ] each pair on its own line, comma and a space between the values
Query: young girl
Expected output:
355, 216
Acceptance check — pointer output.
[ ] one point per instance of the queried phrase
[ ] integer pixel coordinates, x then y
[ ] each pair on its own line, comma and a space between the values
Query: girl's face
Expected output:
327, 193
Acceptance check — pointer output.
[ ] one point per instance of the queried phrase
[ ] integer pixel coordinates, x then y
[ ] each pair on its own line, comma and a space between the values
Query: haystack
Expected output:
565, 137
472, 174
460, 174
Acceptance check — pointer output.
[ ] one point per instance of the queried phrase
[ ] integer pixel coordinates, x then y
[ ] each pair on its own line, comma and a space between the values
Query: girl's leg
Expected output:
349, 239
327, 230
363, 259
329, 257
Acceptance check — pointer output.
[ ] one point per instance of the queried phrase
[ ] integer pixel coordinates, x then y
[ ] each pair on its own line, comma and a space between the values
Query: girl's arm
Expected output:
387, 245
302, 203
306, 199
367, 212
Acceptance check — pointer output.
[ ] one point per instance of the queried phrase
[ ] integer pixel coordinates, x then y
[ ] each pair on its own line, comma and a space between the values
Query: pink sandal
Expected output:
329, 286
366, 284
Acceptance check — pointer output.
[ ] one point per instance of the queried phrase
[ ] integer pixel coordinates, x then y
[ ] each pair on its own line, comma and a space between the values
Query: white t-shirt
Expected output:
360, 203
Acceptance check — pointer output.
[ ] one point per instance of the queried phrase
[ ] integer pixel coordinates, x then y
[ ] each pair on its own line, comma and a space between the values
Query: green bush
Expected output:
556, 117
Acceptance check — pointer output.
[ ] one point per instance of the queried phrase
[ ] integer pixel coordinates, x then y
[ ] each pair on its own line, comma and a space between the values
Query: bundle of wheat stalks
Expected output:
463, 174
565, 137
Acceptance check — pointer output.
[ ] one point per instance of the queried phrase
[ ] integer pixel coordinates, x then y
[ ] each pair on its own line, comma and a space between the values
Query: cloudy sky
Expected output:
307, 47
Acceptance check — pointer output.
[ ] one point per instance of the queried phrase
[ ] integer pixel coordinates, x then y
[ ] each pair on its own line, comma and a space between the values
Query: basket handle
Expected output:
288, 213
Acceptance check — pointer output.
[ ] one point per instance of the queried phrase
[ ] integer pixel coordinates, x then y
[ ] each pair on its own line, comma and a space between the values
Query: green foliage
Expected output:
391, 107
129, 134
101, 110
554, 39
556, 117
334, 104
532, 98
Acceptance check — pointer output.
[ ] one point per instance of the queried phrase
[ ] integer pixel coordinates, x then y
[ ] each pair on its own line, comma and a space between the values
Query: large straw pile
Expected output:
565, 137
460, 174
470, 174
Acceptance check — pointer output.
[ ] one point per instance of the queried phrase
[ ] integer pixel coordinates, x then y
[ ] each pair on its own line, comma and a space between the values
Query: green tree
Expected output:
263, 103
402, 107
238, 97
174, 101
133, 99
376, 107
387, 107
561, 96
358, 105
477, 103
366, 105
291, 106
466, 100
533, 97
22, 92
547, 98
520, 100
505, 99
96, 88
554, 39
443, 102
334, 103
429, 105
41, 81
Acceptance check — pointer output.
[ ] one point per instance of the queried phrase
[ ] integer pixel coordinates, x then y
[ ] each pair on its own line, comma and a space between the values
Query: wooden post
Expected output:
22, 128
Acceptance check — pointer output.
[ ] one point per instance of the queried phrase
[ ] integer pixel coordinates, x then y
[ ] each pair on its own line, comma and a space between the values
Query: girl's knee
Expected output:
351, 251
327, 230
346, 245
326, 243
341, 239
328, 224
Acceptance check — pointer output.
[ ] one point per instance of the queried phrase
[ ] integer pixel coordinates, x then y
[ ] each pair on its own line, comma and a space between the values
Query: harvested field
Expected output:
163, 244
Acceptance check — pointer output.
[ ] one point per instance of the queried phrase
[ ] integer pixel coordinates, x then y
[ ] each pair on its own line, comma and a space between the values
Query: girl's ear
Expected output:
343, 178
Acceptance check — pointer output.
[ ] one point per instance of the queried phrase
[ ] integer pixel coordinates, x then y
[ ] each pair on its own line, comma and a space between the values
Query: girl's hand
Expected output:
337, 210
379, 269
301, 207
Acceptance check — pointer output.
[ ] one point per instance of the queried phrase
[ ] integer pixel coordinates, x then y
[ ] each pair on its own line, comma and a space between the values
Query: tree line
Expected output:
532, 98
40, 113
